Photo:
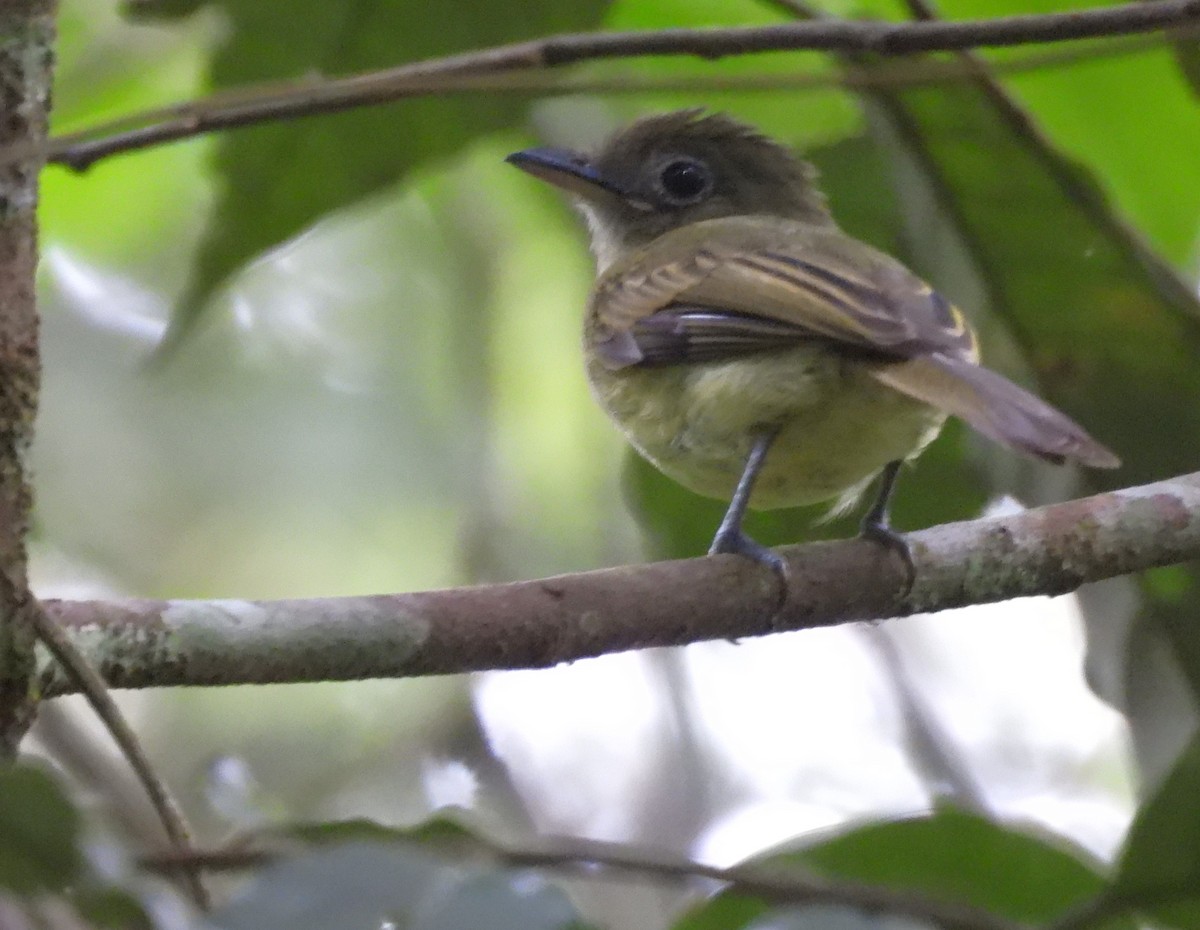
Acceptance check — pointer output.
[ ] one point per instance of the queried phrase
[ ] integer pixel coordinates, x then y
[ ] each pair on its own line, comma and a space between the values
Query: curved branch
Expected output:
277, 102
169, 811
535, 624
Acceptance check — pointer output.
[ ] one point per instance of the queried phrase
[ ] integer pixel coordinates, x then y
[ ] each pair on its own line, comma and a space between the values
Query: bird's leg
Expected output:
730, 537
876, 524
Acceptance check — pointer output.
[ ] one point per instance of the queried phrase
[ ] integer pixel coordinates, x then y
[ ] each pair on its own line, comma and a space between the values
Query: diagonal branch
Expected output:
277, 102
535, 624
88, 681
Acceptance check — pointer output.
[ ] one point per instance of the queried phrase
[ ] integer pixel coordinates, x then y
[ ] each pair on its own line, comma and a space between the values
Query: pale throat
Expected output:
607, 244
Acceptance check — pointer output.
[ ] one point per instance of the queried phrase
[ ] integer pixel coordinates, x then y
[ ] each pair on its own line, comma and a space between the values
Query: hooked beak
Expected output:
569, 170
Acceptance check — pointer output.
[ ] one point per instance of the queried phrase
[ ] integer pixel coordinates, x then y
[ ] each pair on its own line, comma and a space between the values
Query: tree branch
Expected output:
279, 102
88, 680
535, 624
26, 56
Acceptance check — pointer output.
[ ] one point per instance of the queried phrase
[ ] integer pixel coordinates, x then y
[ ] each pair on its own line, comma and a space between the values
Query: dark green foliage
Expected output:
278, 178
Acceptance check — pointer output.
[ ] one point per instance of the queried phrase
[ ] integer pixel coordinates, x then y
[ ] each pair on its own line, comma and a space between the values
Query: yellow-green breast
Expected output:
837, 426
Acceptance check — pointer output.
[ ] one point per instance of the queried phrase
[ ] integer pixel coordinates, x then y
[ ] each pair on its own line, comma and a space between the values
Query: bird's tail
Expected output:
996, 407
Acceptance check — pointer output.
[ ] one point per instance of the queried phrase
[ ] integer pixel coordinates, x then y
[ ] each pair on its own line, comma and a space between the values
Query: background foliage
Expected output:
374, 387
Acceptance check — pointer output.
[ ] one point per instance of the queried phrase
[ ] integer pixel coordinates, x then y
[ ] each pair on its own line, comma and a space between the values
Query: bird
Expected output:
756, 353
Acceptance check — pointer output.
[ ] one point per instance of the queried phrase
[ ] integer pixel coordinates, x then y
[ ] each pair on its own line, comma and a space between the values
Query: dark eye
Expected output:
684, 180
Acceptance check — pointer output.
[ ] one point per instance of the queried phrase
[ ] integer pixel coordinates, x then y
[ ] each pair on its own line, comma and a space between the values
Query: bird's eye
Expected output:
684, 181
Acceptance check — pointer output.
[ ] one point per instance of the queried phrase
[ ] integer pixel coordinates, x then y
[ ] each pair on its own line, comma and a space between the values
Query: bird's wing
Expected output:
686, 298
691, 298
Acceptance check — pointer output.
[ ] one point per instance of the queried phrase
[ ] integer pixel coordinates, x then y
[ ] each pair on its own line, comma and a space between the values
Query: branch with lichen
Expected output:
26, 38
536, 624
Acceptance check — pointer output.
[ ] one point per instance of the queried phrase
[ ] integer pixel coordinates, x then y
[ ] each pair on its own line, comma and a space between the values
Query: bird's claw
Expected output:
735, 542
878, 531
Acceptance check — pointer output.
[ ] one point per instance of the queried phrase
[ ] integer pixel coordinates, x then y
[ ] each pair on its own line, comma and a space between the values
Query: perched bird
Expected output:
753, 351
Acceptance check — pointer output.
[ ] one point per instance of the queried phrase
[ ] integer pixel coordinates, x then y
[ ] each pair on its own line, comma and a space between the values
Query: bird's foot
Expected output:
735, 542
878, 530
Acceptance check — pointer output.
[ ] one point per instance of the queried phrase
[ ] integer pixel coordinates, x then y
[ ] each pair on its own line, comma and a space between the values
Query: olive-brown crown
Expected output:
687, 166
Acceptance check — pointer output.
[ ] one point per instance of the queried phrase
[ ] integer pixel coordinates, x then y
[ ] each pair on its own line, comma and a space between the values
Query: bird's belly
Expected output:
836, 425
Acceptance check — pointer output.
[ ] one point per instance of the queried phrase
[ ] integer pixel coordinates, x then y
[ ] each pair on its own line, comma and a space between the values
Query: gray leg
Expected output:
876, 524
730, 537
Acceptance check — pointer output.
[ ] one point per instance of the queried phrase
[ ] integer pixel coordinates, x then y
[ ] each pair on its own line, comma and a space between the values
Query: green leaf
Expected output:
1148, 172
112, 908
1187, 54
955, 856
950, 856
1091, 308
106, 70
1159, 869
276, 179
39, 833
449, 831
725, 911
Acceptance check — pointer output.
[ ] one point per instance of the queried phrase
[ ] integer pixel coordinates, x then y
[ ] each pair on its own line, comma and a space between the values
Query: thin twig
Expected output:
774, 885
279, 102
133, 133
95, 690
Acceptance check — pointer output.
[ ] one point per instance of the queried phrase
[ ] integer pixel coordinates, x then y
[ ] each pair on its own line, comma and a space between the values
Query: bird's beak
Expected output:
569, 170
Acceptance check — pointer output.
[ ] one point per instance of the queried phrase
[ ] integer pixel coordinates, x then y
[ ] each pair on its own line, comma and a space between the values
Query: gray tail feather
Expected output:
999, 409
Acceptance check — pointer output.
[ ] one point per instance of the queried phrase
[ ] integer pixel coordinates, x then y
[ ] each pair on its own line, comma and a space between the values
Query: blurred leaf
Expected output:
724, 911
1161, 858
39, 833
1092, 313
162, 9
960, 857
352, 886
112, 908
499, 901
345, 831
950, 856
1181, 916
141, 211
359, 884
448, 831
277, 179
1187, 54
1148, 173
828, 917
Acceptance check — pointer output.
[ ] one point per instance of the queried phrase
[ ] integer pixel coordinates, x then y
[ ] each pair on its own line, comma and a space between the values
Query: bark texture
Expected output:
26, 64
